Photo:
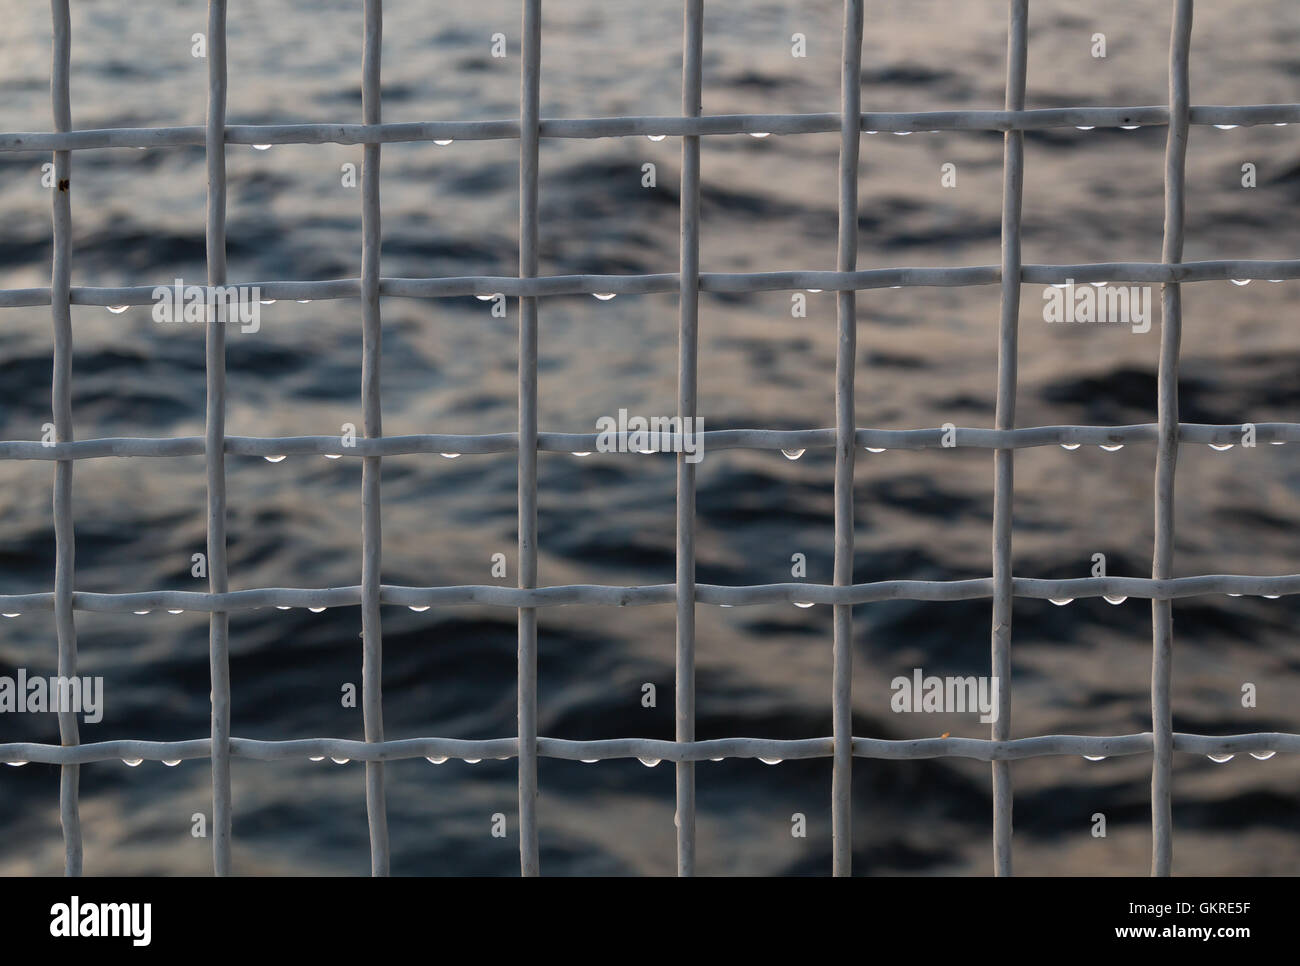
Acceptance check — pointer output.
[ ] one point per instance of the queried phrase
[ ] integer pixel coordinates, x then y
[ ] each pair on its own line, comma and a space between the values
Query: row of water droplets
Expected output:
804, 604
648, 762
608, 296
443, 142
1216, 758
794, 454
119, 309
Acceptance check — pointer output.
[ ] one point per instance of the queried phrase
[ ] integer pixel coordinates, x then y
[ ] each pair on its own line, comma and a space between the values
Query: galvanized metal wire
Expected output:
1013, 179
371, 530
846, 352
61, 403
687, 405
1220, 270
527, 598
1162, 643
529, 113
214, 448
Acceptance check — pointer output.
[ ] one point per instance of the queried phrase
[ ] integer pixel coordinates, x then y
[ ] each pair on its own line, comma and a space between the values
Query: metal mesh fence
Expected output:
530, 288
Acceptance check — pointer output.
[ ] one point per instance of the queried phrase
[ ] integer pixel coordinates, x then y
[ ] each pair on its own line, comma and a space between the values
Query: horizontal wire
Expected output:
607, 127
1038, 588
758, 439
650, 749
724, 282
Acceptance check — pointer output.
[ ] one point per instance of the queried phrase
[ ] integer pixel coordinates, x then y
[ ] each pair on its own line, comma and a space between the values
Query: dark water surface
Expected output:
926, 356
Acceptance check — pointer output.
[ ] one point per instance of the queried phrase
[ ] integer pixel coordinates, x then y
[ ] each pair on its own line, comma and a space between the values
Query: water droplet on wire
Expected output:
316, 610
132, 762
419, 608
760, 134
171, 762
1263, 755
274, 459
1221, 447
1095, 757
604, 296
1113, 447
1225, 127
1061, 601
1114, 600
118, 309
450, 456
656, 137
339, 761
770, 761
261, 147
1220, 759
443, 142
1070, 446
792, 454
649, 762
805, 604
333, 456
1241, 281
437, 760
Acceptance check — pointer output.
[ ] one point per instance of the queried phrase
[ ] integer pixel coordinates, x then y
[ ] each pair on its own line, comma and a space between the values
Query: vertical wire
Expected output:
529, 113
687, 381
845, 430
1013, 178
1162, 657
372, 677
215, 436
61, 403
